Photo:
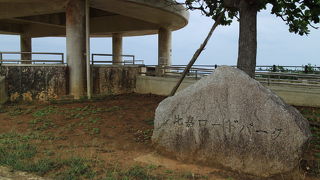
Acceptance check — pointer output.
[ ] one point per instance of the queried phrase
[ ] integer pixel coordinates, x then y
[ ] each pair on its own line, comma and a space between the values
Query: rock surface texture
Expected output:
230, 119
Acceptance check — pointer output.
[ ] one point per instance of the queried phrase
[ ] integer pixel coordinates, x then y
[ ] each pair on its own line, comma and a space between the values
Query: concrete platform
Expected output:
294, 95
39, 18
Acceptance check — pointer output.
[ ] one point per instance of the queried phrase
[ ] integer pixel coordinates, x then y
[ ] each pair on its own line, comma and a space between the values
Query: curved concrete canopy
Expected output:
41, 18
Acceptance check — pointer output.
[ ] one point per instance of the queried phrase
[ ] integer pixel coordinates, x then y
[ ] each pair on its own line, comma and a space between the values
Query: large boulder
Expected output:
230, 119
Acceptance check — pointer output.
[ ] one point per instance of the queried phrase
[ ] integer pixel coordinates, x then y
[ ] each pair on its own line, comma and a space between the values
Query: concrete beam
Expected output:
76, 47
57, 19
22, 1
164, 13
12, 9
104, 26
40, 30
10, 28
117, 49
118, 23
26, 46
164, 47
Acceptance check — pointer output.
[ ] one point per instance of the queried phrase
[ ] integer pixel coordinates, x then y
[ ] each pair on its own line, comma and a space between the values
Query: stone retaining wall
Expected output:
28, 83
114, 79
46, 82
3, 90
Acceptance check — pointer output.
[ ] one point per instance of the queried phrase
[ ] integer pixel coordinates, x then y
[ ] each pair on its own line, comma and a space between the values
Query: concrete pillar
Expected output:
164, 47
76, 47
117, 48
25, 46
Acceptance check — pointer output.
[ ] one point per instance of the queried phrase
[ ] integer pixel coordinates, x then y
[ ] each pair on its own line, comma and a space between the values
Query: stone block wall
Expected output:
46, 82
114, 79
30, 83
3, 90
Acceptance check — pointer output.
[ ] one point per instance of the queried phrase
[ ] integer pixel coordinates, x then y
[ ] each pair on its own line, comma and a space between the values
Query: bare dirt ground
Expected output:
109, 138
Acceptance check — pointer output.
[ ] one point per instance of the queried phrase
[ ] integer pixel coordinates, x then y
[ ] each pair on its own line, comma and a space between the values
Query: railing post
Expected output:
92, 58
134, 59
1, 59
62, 58
196, 74
306, 69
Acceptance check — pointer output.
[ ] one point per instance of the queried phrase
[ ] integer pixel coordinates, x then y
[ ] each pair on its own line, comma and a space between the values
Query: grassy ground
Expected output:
311, 161
98, 140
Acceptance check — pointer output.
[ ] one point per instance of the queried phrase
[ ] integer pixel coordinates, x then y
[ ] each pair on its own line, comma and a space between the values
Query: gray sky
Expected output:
275, 44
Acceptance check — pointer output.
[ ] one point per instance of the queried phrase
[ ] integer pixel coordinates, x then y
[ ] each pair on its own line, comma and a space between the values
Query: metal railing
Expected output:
289, 69
5, 60
298, 77
132, 60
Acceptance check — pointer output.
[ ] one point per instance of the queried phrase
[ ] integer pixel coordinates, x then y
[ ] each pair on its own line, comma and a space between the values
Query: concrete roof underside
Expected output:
43, 18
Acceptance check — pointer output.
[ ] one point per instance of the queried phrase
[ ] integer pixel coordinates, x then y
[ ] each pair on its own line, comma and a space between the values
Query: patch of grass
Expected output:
81, 112
95, 131
49, 153
138, 172
41, 124
94, 120
168, 171
152, 167
76, 168
45, 111
18, 153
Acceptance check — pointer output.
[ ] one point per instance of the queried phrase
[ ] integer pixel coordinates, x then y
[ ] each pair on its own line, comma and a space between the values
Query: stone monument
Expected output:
231, 120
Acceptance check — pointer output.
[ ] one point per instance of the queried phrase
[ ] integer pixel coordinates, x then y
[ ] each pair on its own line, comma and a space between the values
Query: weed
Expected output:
138, 172
76, 168
143, 135
49, 153
168, 171
16, 111
152, 167
94, 120
45, 111
95, 131
41, 124
112, 109
150, 121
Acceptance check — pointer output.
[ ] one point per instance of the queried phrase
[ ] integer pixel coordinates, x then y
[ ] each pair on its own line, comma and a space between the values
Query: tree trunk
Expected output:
247, 38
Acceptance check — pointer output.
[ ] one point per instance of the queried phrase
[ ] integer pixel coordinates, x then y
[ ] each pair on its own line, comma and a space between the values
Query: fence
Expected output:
16, 58
271, 75
132, 60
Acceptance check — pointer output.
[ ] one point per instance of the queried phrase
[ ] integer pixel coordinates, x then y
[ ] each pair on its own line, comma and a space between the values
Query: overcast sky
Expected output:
275, 44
